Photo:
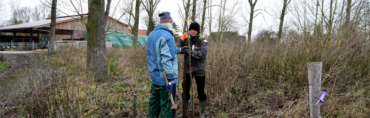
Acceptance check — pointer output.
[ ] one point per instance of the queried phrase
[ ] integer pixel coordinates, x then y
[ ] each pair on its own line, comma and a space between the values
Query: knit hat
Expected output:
165, 17
195, 26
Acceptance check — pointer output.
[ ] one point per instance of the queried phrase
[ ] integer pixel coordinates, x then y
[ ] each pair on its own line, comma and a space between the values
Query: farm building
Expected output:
35, 34
141, 32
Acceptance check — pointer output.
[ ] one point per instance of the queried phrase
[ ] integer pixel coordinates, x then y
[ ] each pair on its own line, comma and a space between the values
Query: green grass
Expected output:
3, 67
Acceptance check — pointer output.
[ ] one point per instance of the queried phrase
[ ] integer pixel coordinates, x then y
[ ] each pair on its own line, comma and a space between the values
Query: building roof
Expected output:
46, 23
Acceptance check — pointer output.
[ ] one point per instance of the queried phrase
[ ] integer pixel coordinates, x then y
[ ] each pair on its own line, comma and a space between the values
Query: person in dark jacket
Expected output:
198, 49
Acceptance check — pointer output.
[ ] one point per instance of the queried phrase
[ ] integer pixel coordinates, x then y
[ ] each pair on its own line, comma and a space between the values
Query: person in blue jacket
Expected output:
162, 56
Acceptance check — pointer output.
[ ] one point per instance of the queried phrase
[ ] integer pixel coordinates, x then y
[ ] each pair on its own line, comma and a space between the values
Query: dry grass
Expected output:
243, 80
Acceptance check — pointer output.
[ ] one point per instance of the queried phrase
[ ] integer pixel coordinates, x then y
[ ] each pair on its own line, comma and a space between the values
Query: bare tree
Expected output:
186, 7
19, 14
226, 21
352, 21
135, 30
194, 10
366, 16
322, 23
40, 12
210, 20
348, 13
331, 20
130, 11
146, 19
316, 14
221, 19
79, 7
52, 27
252, 6
97, 18
150, 6
283, 13
65, 8
203, 15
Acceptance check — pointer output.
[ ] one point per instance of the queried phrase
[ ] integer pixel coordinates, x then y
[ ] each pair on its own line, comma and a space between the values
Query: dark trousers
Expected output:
200, 81
160, 103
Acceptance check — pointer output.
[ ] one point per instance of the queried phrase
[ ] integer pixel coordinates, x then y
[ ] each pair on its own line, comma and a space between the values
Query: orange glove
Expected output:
184, 36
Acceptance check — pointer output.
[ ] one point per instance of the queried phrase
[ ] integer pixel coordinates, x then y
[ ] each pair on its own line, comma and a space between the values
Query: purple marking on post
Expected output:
323, 95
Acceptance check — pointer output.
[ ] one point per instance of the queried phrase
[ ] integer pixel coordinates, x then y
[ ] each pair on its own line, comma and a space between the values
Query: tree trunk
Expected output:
252, 5
219, 30
331, 20
194, 10
187, 8
210, 20
348, 12
315, 29
131, 14
151, 23
322, 23
222, 22
96, 61
135, 30
306, 38
281, 25
150, 6
52, 27
347, 25
341, 31
203, 16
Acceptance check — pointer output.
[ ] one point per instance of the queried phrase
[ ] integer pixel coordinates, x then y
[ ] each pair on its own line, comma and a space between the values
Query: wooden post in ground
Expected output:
184, 87
134, 107
314, 87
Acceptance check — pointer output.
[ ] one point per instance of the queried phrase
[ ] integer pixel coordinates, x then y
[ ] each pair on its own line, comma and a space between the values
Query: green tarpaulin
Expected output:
120, 39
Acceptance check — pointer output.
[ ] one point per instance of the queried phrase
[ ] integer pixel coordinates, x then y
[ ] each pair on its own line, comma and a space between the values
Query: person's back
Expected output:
162, 58
160, 42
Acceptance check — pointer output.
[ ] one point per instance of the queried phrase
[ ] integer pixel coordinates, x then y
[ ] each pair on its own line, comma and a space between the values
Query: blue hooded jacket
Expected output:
161, 54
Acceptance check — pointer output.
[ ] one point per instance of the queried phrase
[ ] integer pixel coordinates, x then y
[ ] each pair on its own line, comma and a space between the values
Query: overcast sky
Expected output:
264, 21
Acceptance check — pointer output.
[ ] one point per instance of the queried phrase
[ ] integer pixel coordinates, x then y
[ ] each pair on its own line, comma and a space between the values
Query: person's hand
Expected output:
184, 50
184, 36
170, 87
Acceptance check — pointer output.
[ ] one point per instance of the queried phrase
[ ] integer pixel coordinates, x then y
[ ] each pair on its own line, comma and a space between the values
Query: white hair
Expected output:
168, 25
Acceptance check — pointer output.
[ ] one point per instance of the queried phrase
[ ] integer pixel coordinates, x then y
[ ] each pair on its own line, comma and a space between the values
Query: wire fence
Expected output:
21, 45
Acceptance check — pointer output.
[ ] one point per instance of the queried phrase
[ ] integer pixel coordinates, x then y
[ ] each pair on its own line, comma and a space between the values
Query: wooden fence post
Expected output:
314, 87
134, 107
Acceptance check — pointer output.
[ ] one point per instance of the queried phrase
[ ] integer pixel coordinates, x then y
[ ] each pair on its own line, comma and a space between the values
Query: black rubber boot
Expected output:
202, 107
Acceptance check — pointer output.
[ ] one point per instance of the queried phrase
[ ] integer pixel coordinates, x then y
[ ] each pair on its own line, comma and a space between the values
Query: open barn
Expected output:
35, 35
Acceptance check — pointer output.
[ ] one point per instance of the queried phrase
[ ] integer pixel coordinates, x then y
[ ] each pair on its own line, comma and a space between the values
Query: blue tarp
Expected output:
120, 39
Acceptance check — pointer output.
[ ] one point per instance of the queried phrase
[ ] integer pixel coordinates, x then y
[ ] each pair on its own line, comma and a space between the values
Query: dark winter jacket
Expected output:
199, 48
